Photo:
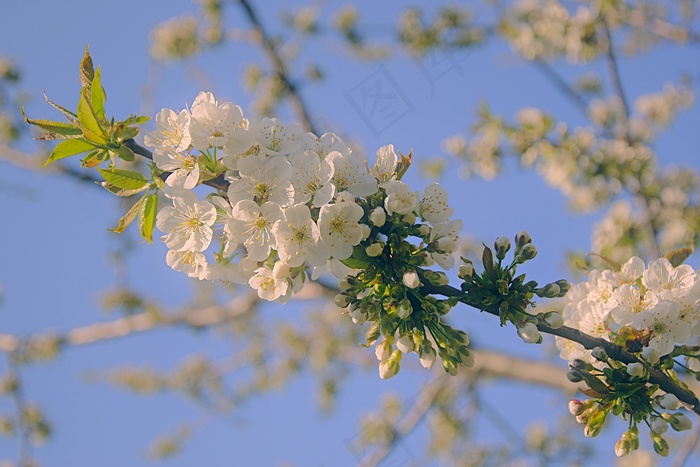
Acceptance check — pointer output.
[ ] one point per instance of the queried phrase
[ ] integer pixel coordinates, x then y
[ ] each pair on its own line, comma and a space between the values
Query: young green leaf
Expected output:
59, 128
67, 148
87, 70
88, 120
98, 96
677, 257
66, 113
147, 217
121, 191
129, 217
124, 179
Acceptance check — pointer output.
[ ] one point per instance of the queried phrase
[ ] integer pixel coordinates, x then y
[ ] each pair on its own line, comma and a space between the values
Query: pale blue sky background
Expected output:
56, 241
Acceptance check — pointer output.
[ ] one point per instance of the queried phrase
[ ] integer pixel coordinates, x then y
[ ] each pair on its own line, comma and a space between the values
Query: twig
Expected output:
279, 66
559, 83
424, 402
589, 342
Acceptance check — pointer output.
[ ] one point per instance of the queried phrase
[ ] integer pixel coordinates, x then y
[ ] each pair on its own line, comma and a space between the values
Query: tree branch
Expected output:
589, 342
279, 66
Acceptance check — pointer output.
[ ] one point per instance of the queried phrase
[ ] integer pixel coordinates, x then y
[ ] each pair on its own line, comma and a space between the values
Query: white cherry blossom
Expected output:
311, 178
192, 263
400, 199
187, 224
262, 180
324, 145
268, 287
433, 204
298, 238
215, 124
340, 228
351, 174
184, 167
385, 166
171, 133
667, 330
252, 226
277, 139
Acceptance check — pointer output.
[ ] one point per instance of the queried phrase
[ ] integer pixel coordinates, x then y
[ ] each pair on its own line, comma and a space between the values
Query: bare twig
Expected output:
278, 64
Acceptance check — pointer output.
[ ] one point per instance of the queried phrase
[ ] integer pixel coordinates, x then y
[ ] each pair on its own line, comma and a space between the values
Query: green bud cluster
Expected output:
388, 292
499, 287
624, 391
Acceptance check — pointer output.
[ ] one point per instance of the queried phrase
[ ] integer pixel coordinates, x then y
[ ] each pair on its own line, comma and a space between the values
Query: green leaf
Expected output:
126, 154
87, 70
68, 148
66, 113
121, 191
677, 257
52, 127
88, 120
134, 120
147, 217
94, 158
125, 179
489, 267
129, 217
359, 259
98, 96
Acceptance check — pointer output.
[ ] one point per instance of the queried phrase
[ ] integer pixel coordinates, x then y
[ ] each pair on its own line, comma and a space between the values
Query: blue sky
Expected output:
57, 258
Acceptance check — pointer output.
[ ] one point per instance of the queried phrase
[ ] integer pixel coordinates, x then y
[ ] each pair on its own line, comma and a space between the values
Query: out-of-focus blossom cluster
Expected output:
545, 29
658, 306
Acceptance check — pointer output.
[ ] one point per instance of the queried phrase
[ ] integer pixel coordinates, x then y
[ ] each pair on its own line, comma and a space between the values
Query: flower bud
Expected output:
405, 344
410, 279
466, 271
375, 249
366, 230
669, 402
347, 283
527, 253
522, 238
574, 376
680, 422
342, 300
502, 245
424, 230
548, 291
405, 309
377, 216
427, 355
599, 354
383, 350
358, 316
635, 369
552, 319
390, 367
660, 444
659, 425
409, 218
564, 286
623, 445
529, 333
576, 407
651, 355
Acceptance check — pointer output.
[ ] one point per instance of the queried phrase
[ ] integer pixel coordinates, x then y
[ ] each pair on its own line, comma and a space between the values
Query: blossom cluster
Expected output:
658, 304
295, 204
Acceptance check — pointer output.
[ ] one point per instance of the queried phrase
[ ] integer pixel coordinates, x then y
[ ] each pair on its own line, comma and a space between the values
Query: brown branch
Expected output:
614, 71
280, 68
